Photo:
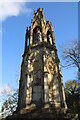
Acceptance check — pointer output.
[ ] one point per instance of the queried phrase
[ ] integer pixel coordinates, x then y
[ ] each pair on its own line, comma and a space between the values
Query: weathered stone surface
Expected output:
41, 80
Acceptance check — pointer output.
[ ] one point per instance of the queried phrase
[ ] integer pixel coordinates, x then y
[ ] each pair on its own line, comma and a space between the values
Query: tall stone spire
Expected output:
41, 81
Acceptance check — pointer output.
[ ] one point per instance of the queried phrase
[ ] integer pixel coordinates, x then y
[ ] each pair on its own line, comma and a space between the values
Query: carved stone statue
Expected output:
37, 35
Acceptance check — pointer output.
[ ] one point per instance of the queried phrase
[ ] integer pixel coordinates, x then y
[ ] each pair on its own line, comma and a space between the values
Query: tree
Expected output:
70, 54
10, 104
71, 58
71, 92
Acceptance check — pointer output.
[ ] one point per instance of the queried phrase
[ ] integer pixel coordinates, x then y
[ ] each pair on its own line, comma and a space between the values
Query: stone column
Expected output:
62, 93
53, 39
31, 33
43, 31
46, 92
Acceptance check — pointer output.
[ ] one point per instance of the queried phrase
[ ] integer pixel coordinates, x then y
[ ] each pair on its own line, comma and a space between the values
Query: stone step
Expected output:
38, 116
41, 113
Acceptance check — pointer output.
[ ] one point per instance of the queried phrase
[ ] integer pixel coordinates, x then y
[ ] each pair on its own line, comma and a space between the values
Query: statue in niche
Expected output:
37, 35
49, 38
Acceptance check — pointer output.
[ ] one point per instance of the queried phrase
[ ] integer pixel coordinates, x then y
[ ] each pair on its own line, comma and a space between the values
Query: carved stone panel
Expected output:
50, 65
36, 93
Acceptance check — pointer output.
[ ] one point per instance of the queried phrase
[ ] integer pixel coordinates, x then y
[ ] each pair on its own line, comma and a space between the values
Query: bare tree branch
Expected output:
70, 54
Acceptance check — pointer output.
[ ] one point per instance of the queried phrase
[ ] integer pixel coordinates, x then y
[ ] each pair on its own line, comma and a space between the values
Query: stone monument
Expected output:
41, 81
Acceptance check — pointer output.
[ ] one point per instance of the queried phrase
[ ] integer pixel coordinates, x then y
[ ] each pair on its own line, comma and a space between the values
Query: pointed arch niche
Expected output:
49, 37
37, 35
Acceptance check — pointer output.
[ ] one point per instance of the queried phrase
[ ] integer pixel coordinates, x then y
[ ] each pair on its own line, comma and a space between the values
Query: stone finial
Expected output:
27, 29
51, 26
31, 22
39, 14
34, 15
26, 32
51, 23
39, 9
47, 23
43, 14
34, 11
42, 11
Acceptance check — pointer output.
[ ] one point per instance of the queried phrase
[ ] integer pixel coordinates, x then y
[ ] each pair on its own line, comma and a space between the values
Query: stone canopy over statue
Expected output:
37, 35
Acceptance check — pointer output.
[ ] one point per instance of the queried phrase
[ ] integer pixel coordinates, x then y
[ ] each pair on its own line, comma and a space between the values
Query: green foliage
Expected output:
2, 110
10, 104
72, 96
70, 58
